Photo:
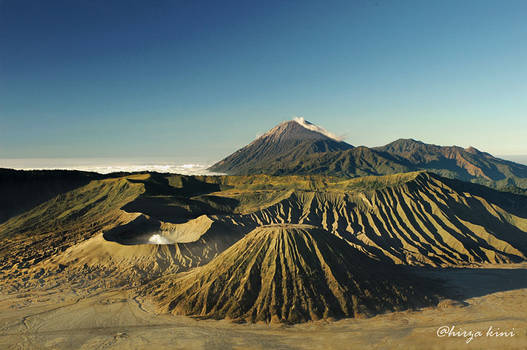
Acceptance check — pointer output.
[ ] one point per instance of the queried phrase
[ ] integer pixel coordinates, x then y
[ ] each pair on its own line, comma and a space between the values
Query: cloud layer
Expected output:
106, 166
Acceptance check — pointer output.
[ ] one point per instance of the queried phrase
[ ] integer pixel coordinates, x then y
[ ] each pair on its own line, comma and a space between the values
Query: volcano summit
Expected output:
294, 138
298, 147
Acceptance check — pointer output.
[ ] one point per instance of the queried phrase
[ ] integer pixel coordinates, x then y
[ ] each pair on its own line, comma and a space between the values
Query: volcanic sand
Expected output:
494, 295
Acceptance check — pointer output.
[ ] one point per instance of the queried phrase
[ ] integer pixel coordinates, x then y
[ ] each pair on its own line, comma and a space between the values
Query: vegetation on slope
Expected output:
467, 164
286, 138
290, 149
23, 190
73, 232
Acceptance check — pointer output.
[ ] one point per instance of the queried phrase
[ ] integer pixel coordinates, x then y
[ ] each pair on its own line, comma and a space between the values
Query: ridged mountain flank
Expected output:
133, 229
468, 164
296, 137
289, 273
298, 147
412, 218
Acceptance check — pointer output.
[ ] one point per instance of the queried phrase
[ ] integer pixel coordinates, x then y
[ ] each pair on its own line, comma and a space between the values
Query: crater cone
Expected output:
289, 273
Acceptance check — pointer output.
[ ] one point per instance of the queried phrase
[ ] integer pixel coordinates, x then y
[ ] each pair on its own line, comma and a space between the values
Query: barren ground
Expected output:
495, 295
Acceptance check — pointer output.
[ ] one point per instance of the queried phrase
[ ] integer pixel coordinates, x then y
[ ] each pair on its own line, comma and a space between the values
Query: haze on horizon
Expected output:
200, 79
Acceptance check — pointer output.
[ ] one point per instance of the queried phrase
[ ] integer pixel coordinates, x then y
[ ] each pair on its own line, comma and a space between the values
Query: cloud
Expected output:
105, 166
316, 128
158, 239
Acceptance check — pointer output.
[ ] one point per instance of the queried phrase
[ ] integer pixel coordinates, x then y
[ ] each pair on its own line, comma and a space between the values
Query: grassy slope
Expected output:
67, 231
397, 157
23, 190
65, 220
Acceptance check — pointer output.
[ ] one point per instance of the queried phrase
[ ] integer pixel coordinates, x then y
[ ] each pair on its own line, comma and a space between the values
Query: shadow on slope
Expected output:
291, 273
514, 203
177, 199
466, 283
137, 231
23, 190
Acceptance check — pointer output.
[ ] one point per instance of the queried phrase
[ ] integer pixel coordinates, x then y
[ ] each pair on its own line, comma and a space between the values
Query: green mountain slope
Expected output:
290, 149
22, 190
290, 138
76, 230
356, 162
456, 162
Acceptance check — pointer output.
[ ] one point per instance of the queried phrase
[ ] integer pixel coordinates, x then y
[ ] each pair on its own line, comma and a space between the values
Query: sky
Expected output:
199, 79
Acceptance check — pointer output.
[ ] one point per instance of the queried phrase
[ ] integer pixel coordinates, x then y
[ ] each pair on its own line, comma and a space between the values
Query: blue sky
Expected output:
199, 79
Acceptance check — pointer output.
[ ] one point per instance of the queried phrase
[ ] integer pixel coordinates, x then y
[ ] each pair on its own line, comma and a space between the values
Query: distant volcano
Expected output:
296, 137
298, 147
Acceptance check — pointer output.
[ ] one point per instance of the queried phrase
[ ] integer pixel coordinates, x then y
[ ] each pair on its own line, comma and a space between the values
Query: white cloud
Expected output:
105, 166
158, 239
316, 128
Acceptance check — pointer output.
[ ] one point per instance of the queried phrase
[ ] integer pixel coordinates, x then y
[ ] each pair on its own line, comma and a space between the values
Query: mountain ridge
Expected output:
410, 218
100, 236
315, 153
